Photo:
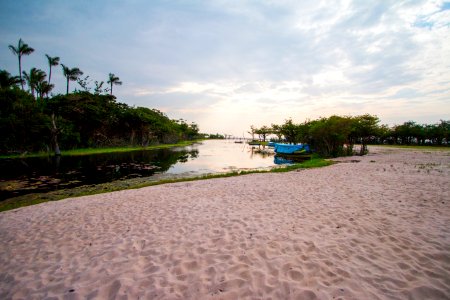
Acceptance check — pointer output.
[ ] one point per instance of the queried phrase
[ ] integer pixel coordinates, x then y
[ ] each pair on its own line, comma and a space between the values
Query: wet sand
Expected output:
372, 227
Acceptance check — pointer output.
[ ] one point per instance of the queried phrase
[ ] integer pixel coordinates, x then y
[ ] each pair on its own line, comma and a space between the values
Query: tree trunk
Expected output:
55, 132
50, 74
20, 72
363, 149
133, 133
67, 90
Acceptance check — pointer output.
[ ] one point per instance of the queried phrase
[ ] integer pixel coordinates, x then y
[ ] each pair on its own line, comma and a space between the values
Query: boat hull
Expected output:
288, 149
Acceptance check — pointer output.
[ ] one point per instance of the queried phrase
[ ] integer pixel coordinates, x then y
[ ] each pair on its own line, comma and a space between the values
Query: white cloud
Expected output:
229, 64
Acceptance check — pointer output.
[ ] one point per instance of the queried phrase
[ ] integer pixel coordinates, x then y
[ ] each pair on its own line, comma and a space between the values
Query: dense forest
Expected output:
337, 135
32, 119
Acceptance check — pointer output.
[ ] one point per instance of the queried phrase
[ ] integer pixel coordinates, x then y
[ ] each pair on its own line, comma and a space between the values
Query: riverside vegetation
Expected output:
90, 120
336, 135
33, 119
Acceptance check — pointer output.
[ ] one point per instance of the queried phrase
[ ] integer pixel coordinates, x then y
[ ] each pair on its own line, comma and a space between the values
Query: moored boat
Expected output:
290, 149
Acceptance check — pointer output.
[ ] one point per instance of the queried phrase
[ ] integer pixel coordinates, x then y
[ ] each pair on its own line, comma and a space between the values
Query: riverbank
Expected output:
90, 151
372, 227
140, 182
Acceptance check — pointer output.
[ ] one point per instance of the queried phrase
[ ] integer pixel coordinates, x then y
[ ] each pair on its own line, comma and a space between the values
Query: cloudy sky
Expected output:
228, 64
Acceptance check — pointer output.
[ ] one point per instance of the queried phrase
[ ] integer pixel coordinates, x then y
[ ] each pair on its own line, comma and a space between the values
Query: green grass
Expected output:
136, 183
415, 147
89, 151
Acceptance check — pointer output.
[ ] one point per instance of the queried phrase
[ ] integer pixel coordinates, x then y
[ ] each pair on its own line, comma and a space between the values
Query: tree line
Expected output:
36, 78
32, 119
337, 135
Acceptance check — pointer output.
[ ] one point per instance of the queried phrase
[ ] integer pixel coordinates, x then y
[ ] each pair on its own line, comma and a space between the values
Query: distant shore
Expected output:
100, 150
371, 227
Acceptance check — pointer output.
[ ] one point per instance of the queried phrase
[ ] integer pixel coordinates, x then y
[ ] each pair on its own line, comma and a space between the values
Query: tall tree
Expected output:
276, 129
52, 61
364, 128
113, 80
252, 132
263, 132
22, 49
43, 88
71, 75
33, 78
7, 81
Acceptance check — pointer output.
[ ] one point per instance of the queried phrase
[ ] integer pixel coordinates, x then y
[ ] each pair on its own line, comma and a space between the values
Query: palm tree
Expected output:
7, 81
113, 80
52, 61
33, 78
71, 75
43, 88
22, 49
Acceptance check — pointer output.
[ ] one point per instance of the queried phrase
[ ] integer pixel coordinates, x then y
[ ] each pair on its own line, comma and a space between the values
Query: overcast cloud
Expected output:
229, 64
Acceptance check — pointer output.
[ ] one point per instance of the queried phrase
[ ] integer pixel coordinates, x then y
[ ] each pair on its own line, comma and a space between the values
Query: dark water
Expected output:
31, 175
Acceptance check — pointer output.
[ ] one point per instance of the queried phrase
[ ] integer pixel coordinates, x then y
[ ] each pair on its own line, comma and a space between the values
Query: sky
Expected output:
230, 64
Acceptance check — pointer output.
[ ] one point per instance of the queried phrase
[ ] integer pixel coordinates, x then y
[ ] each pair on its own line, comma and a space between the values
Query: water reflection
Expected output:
217, 156
279, 160
22, 176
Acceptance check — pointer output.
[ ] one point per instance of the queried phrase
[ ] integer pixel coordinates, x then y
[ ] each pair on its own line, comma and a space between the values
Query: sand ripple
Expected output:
373, 229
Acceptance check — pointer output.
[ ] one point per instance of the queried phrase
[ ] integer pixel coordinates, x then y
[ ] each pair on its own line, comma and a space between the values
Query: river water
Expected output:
31, 175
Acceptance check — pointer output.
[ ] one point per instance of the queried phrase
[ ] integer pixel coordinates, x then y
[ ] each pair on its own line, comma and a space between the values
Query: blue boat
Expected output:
289, 149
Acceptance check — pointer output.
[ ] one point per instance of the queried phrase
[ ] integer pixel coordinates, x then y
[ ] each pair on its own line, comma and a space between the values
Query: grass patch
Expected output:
135, 183
89, 151
312, 163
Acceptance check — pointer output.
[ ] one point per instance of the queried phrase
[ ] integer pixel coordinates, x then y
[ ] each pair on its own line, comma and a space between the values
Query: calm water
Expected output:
31, 175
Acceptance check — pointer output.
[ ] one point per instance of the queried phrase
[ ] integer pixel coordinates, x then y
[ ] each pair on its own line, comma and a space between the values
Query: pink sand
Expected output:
374, 229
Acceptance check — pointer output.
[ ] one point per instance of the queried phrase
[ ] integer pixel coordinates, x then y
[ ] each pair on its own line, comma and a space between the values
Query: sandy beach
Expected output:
372, 227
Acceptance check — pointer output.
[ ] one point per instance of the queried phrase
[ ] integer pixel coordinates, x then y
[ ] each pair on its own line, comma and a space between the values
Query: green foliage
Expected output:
52, 62
328, 135
263, 132
308, 164
19, 51
411, 133
71, 75
75, 120
215, 136
82, 120
336, 135
34, 78
7, 81
22, 123
290, 131
84, 83
113, 80
363, 129
276, 129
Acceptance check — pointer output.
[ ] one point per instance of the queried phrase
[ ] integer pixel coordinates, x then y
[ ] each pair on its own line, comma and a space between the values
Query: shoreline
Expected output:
100, 150
370, 227
137, 183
